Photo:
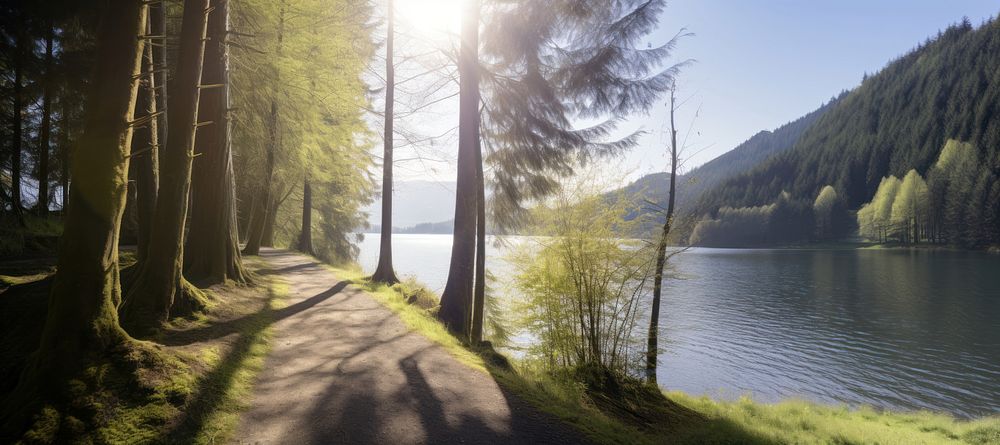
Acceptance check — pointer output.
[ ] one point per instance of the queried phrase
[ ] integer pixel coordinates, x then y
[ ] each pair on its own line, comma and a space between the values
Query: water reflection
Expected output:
894, 329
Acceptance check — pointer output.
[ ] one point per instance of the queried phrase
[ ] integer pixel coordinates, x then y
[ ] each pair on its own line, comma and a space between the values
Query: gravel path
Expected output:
344, 369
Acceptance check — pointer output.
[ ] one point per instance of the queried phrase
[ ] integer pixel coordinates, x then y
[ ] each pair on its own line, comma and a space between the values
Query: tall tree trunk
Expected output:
81, 322
158, 28
385, 273
151, 300
45, 131
267, 237
479, 292
17, 136
653, 335
261, 209
456, 300
145, 166
64, 130
212, 254
305, 236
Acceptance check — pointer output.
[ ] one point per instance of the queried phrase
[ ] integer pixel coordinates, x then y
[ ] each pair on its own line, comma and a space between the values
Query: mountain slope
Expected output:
690, 186
897, 120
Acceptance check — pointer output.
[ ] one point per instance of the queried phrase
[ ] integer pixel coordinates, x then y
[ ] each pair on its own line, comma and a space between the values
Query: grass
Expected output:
802, 422
186, 386
644, 415
410, 301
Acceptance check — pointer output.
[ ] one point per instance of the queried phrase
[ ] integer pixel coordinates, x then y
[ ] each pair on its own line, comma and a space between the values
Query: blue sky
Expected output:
760, 64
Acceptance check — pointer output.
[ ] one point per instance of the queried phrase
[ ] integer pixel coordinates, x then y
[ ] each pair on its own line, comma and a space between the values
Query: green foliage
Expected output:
897, 121
823, 209
582, 285
314, 75
785, 221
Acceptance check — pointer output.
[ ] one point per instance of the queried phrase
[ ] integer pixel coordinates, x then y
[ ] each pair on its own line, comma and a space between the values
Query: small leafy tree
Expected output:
583, 285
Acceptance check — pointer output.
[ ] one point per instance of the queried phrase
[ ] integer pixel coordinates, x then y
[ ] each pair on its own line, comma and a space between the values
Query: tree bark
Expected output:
45, 130
145, 166
305, 236
15, 155
267, 237
65, 119
385, 273
212, 254
653, 335
151, 299
479, 292
262, 208
456, 300
158, 27
81, 320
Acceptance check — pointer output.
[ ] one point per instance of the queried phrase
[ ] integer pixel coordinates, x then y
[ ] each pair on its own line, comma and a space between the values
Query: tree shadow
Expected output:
224, 328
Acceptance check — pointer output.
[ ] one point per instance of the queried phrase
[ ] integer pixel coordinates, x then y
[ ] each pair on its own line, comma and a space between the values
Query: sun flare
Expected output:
430, 18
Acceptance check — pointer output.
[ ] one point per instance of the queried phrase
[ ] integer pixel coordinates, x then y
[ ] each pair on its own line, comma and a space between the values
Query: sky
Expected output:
757, 65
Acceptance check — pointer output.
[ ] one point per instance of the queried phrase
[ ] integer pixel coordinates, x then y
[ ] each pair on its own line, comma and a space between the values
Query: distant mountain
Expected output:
417, 202
444, 227
690, 186
895, 121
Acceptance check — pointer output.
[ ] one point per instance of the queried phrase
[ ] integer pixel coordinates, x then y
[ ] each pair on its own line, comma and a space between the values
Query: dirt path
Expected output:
344, 369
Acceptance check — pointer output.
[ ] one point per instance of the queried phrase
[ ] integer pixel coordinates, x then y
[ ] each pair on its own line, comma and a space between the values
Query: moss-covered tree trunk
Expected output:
160, 288
456, 300
212, 253
81, 320
45, 128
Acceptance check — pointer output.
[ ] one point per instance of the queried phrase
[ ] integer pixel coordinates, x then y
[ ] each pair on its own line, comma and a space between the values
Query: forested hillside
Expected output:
691, 185
897, 120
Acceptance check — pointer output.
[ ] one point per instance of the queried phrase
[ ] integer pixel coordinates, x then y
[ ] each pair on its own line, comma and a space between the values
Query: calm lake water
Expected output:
893, 329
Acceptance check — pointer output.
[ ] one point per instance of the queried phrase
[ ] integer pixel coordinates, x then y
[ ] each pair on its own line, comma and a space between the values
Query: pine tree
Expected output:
212, 252
160, 288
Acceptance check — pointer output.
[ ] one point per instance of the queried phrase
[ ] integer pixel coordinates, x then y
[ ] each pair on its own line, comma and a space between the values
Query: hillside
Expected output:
744, 157
896, 121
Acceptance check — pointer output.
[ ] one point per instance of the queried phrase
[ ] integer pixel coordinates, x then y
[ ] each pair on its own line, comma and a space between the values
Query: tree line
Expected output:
897, 120
197, 114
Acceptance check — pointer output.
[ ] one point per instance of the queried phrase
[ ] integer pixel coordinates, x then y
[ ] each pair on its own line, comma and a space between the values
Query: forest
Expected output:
183, 186
899, 119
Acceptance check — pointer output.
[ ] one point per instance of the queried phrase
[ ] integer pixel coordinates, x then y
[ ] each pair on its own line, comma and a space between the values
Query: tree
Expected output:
456, 300
144, 168
653, 334
212, 253
385, 273
910, 208
261, 210
160, 288
45, 129
823, 210
82, 321
533, 89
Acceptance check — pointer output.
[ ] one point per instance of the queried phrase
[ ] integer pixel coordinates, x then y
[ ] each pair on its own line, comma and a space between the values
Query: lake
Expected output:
894, 329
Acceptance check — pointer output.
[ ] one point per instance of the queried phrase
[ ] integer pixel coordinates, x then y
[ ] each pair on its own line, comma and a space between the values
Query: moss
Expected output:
188, 392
